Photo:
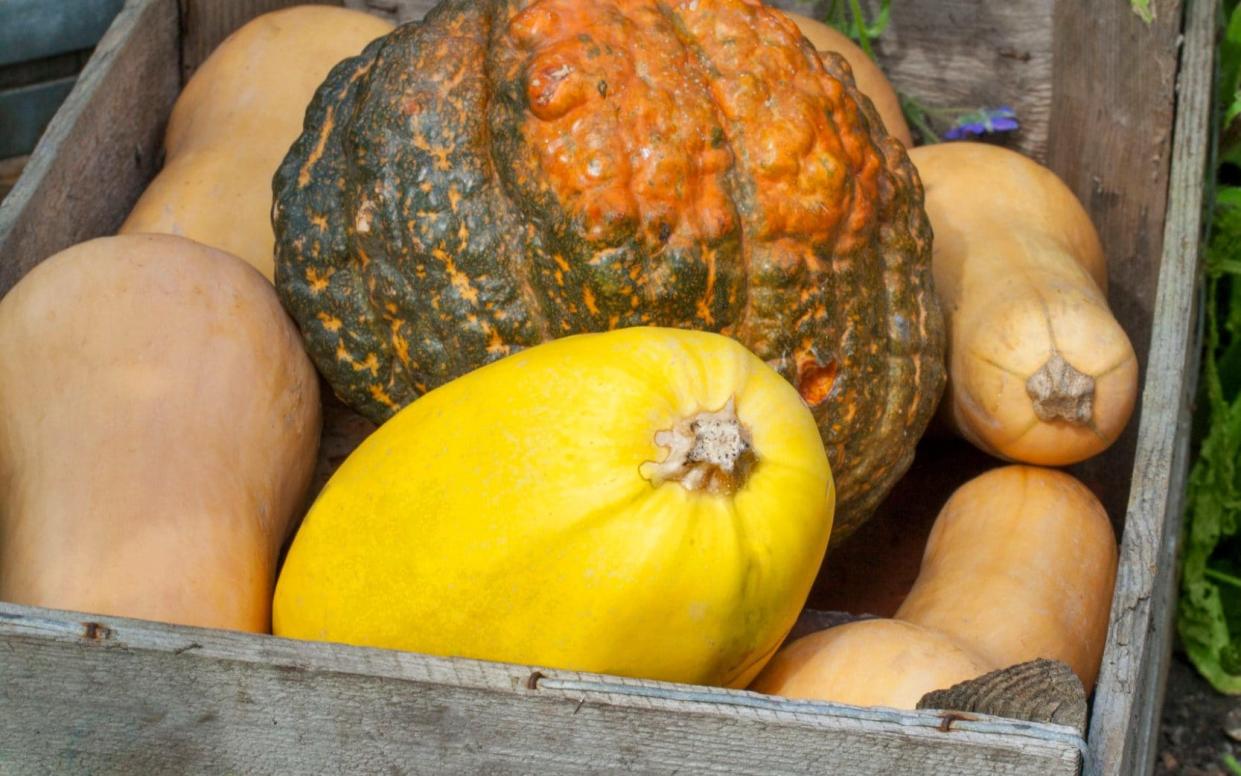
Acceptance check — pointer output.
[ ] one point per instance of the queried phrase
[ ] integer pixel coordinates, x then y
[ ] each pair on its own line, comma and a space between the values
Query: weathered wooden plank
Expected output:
971, 54
26, 111
204, 23
102, 146
10, 171
138, 697
1124, 726
34, 29
1111, 131
40, 70
946, 53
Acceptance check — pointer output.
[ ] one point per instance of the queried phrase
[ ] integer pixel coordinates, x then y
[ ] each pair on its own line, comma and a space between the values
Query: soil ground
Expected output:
1193, 740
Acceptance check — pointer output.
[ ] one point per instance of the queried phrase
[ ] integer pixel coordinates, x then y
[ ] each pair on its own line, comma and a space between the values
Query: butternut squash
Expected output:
158, 429
235, 120
877, 662
1020, 565
1039, 369
866, 72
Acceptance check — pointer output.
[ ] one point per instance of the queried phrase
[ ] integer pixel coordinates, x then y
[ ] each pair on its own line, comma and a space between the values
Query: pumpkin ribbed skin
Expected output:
504, 173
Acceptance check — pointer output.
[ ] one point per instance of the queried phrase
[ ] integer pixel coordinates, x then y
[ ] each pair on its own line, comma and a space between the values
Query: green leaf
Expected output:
1228, 88
880, 24
917, 116
1209, 611
1143, 9
847, 17
1230, 59
1231, 764
1213, 505
1234, 109
858, 30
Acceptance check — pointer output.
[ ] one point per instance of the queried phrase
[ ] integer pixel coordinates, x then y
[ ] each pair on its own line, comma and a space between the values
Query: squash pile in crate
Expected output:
649, 308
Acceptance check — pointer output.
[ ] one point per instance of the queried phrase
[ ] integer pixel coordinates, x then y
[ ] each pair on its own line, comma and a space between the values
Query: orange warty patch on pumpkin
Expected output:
638, 110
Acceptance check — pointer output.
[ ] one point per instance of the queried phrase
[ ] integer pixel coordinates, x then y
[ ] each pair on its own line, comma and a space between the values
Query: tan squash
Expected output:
876, 662
1039, 369
869, 77
1020, 565
158, 428
234, 122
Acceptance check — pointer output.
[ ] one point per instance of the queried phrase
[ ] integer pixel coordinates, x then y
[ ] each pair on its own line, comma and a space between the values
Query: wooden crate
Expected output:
1118, 107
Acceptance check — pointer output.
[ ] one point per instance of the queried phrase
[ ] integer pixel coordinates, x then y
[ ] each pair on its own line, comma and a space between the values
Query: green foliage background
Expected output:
1209, 612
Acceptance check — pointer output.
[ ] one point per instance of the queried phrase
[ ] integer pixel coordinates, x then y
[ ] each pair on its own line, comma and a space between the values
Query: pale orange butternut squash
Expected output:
1020, 565
1039, 369
159, 421
235, 120
877, 662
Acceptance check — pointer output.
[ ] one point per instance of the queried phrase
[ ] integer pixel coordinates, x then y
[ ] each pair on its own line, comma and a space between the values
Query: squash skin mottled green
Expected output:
427, 226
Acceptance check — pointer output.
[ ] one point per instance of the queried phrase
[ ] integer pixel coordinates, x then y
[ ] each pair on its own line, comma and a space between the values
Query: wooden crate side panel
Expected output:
138, 697
1124, 726
972, 54
945, 53
1111, 142
204, 23
10, 171
102, 146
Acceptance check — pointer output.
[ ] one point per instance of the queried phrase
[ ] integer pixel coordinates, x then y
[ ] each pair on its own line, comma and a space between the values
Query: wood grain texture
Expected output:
945, 53
204, 23
1124, 725
1039, 690
102, 146
1111, 141
10, 171
138, 697
971, 54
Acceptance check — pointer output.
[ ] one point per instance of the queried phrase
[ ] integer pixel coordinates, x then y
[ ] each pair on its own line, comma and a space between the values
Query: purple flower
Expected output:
983, 122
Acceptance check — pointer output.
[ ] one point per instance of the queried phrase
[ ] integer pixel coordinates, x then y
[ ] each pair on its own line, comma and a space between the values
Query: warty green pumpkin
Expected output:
507, 172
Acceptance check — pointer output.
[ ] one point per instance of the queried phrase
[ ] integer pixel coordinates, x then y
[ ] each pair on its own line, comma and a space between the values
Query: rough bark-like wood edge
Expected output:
1038, 691
1125, 719
10, 170
71, 189
132, 696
